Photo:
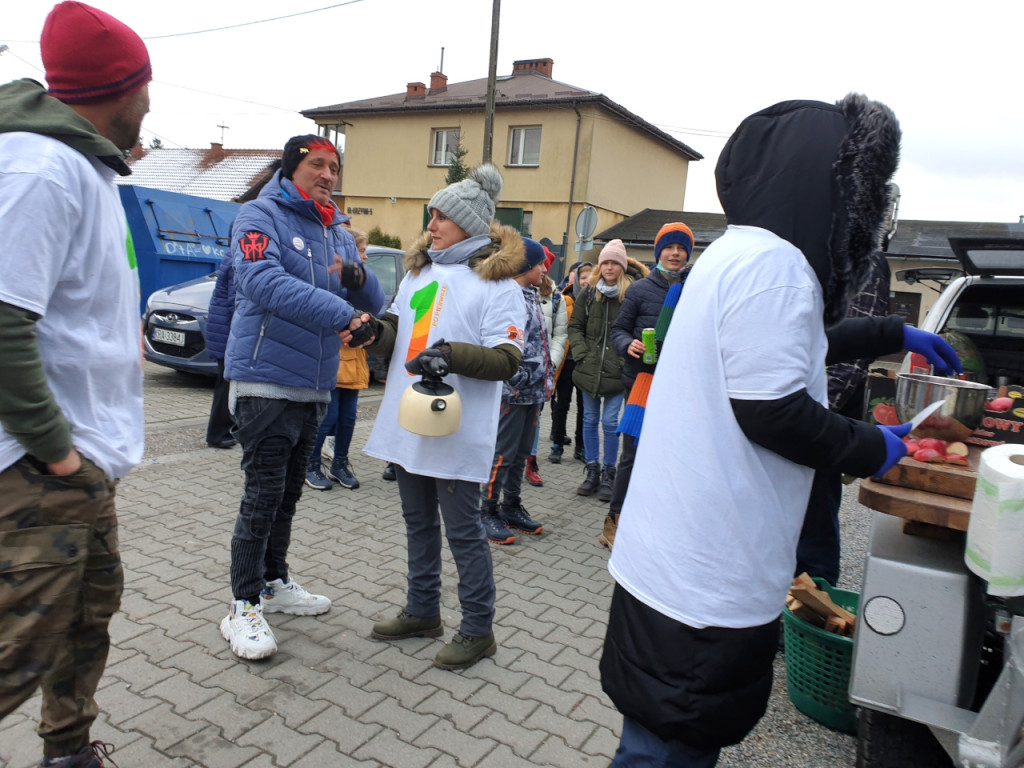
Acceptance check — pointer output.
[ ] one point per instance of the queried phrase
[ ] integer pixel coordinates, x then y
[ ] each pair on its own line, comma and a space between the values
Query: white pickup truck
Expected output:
938, 667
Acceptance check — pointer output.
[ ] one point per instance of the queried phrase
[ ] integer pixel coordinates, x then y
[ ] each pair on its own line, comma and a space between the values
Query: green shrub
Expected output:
376, 237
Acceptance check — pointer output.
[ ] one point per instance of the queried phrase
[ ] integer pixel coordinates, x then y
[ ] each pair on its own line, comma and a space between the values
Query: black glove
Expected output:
368, 331
431, 362
352, 275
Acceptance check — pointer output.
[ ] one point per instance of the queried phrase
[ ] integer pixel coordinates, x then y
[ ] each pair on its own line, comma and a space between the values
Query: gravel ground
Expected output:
784, 737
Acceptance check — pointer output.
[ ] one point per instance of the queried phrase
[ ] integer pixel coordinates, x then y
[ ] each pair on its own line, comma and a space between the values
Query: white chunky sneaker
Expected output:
247, 631
279, 597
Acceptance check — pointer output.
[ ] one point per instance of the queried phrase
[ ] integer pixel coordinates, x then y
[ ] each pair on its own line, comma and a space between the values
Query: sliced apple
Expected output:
928, 454
960, 449
933, 444
955, 458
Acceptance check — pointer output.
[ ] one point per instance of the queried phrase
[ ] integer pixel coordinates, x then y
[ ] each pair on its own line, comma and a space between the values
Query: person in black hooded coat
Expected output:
706, 544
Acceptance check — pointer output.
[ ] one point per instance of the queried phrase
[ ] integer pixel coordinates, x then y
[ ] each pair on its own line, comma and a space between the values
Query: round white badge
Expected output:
297, 243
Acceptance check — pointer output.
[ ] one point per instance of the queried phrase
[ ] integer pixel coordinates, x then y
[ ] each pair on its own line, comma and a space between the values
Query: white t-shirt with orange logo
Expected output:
450, 302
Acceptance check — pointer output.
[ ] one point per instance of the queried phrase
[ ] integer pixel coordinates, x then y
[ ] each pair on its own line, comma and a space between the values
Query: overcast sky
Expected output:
950, 71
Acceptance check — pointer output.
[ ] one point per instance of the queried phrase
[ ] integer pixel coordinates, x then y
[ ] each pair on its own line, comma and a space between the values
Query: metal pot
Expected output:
959, 416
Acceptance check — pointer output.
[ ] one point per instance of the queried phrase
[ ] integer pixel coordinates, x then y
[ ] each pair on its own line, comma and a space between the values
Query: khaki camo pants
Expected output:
60, 584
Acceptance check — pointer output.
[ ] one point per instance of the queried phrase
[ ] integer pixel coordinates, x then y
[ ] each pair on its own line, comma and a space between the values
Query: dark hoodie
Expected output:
816, 175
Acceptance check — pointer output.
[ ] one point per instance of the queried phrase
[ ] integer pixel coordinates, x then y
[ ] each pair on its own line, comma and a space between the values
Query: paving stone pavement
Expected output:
174, 695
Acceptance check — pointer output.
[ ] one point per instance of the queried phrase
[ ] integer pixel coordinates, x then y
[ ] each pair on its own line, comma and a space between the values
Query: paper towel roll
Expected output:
995, 533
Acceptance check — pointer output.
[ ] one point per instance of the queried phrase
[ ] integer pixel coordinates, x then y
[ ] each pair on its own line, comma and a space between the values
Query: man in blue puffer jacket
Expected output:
297, 278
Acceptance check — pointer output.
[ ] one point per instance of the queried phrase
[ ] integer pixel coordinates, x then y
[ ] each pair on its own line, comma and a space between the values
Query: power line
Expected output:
22, 60
250, 23
222, 96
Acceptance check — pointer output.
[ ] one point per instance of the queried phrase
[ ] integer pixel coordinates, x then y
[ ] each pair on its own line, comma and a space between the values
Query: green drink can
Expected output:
649, 337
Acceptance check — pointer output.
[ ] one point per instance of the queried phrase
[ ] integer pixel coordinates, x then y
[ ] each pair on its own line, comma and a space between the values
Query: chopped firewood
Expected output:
818, 601
803, 580
804, 613
813, 605
836, 626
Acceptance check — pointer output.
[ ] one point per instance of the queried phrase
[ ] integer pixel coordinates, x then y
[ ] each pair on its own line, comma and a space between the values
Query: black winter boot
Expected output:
589, 486
604, 492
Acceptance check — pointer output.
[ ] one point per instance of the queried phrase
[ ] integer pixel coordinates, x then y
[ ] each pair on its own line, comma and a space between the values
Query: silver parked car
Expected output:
174, 322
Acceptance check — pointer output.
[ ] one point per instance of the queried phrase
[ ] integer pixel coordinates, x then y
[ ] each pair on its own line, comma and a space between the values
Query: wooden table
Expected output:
925, 492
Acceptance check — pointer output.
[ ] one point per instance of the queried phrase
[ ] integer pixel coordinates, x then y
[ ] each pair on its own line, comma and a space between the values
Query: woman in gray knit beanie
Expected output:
470, 203
458, 302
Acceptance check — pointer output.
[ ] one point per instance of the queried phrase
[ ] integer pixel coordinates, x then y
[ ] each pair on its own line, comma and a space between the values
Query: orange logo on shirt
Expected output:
516, 334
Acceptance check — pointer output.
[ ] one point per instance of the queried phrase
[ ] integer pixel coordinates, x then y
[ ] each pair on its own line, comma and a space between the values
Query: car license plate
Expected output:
177, 338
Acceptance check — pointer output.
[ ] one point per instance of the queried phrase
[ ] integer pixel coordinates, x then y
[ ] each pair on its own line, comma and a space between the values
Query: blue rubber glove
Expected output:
934, 348
895, 448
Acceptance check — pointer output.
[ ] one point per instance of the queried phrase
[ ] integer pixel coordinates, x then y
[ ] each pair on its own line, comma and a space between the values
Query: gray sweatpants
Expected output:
425, 502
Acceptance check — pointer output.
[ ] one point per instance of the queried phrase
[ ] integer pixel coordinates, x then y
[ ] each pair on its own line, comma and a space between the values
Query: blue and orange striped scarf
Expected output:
633, 417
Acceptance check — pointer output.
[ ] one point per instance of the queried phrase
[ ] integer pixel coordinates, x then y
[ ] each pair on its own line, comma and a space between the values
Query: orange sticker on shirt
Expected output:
516, 334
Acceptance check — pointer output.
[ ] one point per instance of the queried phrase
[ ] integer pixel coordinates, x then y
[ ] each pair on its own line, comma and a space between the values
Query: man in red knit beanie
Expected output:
71, 418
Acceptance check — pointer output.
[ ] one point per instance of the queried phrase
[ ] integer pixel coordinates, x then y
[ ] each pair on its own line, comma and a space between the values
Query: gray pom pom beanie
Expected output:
470, 202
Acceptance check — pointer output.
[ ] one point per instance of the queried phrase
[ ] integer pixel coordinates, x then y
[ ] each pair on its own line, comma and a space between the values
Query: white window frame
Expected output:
517, 139
446, 134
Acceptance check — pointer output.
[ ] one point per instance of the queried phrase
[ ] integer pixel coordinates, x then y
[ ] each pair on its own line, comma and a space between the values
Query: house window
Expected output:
446, 141
524, 146
527, 230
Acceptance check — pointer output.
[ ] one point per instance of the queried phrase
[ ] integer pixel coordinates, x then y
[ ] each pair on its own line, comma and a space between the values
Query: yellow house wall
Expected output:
630, 172
389, 157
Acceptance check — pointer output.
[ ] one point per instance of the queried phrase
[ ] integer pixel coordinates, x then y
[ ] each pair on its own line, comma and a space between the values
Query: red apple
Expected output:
928, 454
913, 445
933, 443
955, 458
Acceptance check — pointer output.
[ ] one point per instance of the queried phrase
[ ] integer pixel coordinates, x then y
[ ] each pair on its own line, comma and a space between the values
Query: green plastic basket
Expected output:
818, 666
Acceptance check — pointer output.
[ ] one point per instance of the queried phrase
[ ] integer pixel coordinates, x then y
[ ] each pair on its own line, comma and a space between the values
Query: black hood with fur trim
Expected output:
816, 175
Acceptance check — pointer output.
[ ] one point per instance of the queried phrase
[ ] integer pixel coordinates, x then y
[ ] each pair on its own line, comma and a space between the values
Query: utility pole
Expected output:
492, 73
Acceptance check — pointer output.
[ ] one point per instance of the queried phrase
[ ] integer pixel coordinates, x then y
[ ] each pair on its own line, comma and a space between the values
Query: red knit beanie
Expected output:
549, 258
90, 56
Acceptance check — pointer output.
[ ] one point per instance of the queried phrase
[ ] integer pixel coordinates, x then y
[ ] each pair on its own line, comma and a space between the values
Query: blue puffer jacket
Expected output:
288, 308
640, 309
222, 306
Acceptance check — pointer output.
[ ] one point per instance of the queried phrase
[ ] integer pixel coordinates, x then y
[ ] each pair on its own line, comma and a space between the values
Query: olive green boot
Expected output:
464, 651
406, 625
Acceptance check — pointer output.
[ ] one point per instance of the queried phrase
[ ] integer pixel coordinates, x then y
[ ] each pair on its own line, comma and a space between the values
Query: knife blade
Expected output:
927, 411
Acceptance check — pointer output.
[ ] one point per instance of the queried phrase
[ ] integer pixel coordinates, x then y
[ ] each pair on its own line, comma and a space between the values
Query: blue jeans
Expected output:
639, 748
277, 437
536, 432
609, 419
341, 419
